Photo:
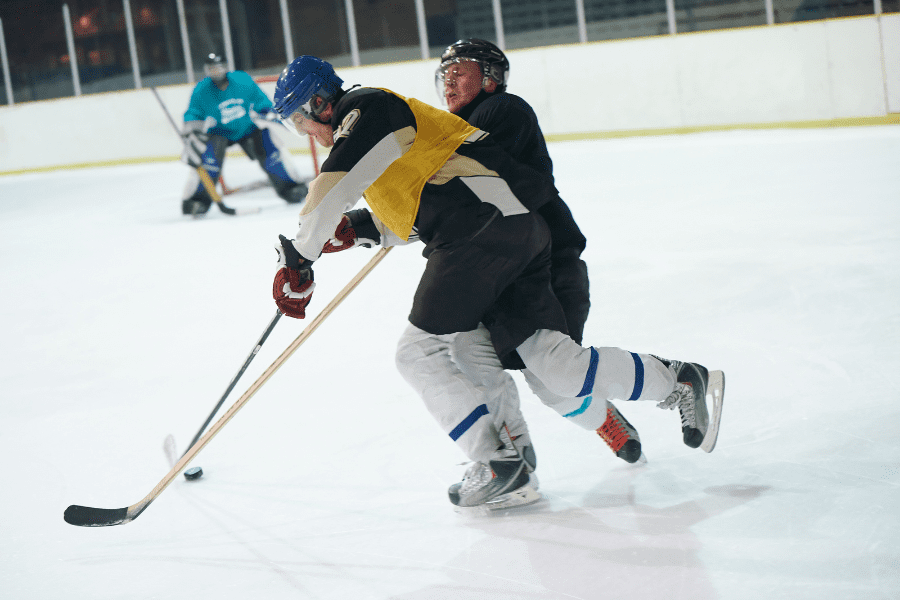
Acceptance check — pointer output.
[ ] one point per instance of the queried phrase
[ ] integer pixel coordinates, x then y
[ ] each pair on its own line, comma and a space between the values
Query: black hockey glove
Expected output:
294, 285
356, 229
195, 141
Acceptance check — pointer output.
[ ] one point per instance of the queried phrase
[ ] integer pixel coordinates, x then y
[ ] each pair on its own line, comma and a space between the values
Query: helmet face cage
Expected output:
215, 68
303, 91
494, 64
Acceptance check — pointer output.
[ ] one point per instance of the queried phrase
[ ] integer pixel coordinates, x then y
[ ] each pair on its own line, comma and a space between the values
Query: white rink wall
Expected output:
794, 73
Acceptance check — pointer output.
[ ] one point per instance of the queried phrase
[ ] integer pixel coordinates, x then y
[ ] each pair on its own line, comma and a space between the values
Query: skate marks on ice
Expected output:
627, 535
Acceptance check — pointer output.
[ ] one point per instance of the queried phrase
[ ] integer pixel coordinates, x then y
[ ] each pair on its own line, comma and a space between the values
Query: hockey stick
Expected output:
85, 516
207, 181
169, 443
234, 381
249, 187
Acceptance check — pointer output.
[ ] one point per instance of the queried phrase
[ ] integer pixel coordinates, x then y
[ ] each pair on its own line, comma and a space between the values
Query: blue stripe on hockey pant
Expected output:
580, 410
638, 377
591, 374
588, 412
467, 423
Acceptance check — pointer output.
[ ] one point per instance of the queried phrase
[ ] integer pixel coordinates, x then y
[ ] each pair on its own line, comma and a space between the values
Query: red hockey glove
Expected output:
356, 229
294, 285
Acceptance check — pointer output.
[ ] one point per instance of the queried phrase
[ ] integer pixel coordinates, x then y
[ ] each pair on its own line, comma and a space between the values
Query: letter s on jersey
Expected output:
231, 110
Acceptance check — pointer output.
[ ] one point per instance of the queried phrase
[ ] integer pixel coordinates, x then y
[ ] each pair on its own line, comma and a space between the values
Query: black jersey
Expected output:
513, 125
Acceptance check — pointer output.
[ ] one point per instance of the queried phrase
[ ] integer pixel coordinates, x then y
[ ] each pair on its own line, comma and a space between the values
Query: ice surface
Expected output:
770, 255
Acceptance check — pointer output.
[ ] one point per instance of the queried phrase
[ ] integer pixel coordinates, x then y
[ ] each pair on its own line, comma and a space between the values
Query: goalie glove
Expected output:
195, 141
355, 229
294, 285
264, 118
264, 114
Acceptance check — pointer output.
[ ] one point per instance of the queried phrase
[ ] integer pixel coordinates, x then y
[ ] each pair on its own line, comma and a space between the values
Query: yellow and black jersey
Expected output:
420, 169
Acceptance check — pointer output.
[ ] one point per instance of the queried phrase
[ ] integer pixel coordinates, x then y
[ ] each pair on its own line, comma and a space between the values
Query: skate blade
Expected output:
715, 394
523, 496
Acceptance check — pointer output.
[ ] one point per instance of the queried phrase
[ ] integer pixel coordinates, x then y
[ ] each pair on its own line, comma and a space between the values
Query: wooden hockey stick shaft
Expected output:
86, 516
234, 380
205, 179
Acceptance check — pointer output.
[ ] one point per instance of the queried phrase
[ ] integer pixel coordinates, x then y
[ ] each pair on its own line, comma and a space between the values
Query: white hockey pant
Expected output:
590, 416
474, 353
458, 404
586, 375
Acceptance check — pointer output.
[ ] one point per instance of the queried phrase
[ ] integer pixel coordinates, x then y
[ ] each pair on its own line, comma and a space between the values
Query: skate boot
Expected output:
689, 396
504, 481
620, 435
195, 206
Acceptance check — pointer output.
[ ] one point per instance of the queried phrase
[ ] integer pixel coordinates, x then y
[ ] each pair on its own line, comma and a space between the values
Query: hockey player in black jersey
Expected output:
471, 80
428, 174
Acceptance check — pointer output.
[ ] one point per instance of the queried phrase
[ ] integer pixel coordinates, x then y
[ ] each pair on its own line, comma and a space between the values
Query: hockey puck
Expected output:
193, 473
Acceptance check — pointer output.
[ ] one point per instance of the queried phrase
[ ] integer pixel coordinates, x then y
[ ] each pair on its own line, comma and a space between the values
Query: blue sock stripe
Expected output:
584, 407
466, 423
638, 377
591, 373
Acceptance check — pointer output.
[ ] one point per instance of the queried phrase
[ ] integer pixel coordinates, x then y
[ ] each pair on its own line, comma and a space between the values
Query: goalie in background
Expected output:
230, 108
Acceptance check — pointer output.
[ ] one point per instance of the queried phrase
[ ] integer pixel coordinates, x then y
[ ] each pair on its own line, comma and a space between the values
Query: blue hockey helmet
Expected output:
306, 86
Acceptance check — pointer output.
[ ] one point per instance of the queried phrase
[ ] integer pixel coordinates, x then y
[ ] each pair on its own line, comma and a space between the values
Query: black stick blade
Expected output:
226, 209
85, 516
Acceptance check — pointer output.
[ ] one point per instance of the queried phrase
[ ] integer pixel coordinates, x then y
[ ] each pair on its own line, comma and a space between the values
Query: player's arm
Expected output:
259, 102
366, 146
195, 110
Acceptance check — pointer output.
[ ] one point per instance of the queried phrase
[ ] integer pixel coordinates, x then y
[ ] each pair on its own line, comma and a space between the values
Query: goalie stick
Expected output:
249, 187
86, 516
205, 179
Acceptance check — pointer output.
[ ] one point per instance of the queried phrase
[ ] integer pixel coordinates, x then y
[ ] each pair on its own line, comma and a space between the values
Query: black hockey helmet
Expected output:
494, 63
215, 68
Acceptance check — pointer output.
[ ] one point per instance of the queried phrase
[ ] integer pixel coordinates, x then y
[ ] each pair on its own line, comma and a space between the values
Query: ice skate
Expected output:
195, 207
502, 483
696, 392
621, 437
